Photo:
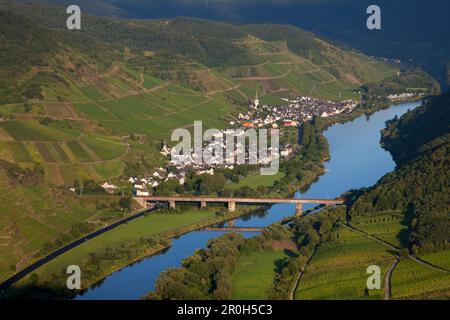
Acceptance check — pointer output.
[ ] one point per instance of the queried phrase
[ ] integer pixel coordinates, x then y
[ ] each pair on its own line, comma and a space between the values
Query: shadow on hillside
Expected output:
281, 263
404, 235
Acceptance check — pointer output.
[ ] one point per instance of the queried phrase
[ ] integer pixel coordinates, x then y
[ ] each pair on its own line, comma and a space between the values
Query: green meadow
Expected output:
151, 224
255, 274
255, 180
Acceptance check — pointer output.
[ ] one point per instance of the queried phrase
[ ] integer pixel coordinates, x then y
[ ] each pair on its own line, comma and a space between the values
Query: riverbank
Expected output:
106, 254
169, 235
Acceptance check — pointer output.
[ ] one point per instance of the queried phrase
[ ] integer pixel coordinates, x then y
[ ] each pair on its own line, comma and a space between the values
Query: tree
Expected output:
125, 202
167, 188
325, 227
210, 184
304, 251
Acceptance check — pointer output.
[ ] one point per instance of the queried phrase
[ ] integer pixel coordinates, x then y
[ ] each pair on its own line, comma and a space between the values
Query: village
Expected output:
291, 114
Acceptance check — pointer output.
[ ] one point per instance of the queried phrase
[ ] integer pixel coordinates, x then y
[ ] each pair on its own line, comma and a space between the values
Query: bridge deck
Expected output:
234, 229
241, 200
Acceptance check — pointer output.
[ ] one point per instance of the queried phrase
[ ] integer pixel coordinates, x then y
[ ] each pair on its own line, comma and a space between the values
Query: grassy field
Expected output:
255, 180
412, 280
147, 226
255, 274
151, 82
109, 170
104, 148
338, 269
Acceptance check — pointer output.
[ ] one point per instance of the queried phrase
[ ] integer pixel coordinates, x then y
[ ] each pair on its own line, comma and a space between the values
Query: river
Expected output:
356, 160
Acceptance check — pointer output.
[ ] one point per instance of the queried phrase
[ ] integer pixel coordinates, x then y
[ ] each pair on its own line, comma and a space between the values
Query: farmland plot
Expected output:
44, 152
411, 279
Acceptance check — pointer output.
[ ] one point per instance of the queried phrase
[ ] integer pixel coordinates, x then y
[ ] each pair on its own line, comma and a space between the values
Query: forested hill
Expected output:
420, 186
405, 137
275, 58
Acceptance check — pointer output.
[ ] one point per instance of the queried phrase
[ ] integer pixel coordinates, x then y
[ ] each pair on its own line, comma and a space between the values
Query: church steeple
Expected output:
256, 102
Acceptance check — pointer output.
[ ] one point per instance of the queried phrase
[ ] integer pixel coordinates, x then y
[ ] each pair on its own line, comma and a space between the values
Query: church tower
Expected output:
256, 101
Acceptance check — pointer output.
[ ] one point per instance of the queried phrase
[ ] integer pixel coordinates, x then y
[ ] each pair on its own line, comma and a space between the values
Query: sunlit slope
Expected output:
90, 104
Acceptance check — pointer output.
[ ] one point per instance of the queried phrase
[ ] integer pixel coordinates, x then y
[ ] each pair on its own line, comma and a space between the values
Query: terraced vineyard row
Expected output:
60, 110
338, 269
412, 280
88, 150
53, 174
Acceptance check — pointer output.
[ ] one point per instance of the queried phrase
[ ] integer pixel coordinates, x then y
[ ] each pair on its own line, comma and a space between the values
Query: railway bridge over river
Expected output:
231, 201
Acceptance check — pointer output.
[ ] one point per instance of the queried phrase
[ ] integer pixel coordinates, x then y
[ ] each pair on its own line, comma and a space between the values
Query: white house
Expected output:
165, 151
109, 187
156, 174
171, 175
142, 193
139, 186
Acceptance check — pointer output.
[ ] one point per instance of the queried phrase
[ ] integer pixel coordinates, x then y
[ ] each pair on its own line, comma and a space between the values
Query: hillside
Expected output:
37, 218
70, 99
84, 107
420, 44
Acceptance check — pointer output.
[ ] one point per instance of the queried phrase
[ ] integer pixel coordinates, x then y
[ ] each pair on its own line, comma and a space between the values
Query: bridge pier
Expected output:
202, 204
298, 209
231, 206
172, 204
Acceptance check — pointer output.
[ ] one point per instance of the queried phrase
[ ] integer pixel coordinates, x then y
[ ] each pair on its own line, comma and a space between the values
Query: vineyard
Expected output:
388, 226
412, 280
338, 270
64, 162
59, 110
